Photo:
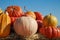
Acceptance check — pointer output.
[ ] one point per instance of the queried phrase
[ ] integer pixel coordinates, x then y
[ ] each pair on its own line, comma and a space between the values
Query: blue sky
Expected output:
43, 6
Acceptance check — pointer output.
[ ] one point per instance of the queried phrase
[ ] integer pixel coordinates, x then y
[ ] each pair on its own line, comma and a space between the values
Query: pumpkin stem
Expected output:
6, 12
1, 11
25, 8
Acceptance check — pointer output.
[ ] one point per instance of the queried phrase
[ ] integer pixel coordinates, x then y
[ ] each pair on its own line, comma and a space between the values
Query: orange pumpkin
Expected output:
31, 14
40, 24
4, 25
50, 32
50, 20
14, 12
39, 16
25, 26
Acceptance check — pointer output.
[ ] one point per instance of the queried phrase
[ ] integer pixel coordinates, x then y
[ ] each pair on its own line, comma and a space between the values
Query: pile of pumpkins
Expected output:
27, 23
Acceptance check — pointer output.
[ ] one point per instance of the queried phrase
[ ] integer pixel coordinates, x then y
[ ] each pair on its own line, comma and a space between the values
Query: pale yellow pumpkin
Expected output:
25, 26
4, 25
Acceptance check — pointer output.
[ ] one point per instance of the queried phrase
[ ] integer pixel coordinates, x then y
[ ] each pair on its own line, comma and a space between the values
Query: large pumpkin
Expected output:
25, 26
50, 20
4, 25
50, 32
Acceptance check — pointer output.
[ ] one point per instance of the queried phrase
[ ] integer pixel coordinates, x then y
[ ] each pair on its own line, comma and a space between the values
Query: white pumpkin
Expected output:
25, 26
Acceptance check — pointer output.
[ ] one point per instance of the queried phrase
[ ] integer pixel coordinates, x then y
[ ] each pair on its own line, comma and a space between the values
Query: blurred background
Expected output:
43, 6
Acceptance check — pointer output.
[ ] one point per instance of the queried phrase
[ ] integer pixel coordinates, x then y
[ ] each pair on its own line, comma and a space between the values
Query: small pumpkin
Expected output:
31, 14
50, 20
4, 25
50, 32
25, 26
39, 16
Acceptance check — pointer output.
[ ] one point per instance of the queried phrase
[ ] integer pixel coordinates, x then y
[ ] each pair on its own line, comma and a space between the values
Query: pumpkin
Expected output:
40, 24
50, 20
50, 32
4, 25
13, 19
25, 26
31, 14
39, 16
14, 12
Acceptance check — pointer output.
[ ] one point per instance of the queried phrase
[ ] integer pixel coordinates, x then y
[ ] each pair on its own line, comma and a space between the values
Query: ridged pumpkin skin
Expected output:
39, 16
4, 25
25, 26
50, 20
50, 32
14, 11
